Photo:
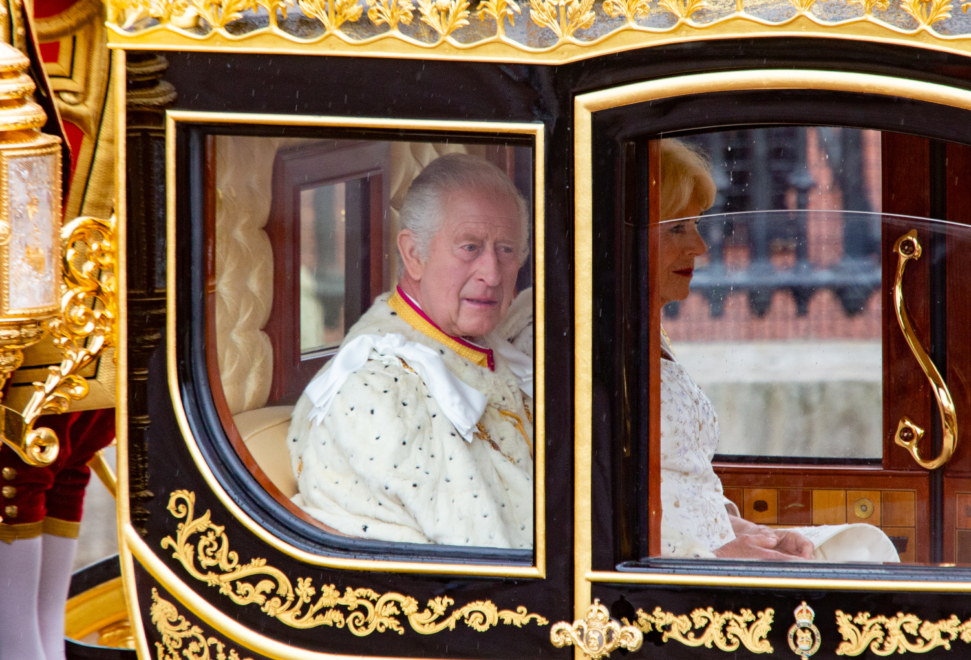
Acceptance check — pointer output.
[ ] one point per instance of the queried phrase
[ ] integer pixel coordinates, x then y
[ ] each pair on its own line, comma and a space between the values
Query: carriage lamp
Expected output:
34, 298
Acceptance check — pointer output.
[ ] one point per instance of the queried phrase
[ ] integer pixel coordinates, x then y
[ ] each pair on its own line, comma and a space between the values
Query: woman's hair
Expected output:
685, 177
424, 204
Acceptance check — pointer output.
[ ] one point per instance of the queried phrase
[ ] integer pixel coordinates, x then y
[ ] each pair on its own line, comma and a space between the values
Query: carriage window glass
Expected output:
782, 327
323, 222
808, 348
371, 332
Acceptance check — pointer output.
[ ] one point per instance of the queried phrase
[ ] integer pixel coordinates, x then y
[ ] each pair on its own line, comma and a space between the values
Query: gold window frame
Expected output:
132, 545
705, 83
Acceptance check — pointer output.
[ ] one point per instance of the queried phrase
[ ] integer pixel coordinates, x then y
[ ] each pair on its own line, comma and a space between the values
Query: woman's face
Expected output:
679, 244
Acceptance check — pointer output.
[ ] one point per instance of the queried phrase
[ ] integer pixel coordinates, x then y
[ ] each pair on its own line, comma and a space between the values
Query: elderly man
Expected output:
419, 430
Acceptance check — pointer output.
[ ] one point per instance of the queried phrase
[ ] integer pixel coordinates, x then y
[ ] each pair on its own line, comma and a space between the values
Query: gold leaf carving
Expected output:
725, 630
500, 10
180, 639
870, 5
274, 6
89, 307
564, 17
220, 12
629, 9
362, 611
802, 5
332, 13
163, 10
927, 12
887, 635
391, 12
682, 9
444, 16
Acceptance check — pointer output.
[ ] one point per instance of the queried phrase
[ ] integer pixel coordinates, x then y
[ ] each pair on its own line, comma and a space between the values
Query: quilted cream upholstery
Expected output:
244, 268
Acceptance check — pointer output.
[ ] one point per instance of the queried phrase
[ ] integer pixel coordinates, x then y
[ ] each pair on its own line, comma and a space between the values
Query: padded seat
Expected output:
264, 432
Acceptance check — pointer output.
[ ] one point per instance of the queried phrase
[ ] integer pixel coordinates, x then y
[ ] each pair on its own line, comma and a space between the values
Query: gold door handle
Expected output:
908, 433
596, 635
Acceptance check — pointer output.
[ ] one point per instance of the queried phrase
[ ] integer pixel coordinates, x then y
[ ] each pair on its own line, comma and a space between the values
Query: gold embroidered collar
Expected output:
417, 319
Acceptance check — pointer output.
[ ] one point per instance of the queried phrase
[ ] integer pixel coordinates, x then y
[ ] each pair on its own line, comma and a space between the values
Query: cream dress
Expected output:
694, 514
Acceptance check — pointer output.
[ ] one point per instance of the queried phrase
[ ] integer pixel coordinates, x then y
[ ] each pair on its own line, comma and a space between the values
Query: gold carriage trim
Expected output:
180, 637
596, 635
725, 630
362, 611
885, 635
550, 31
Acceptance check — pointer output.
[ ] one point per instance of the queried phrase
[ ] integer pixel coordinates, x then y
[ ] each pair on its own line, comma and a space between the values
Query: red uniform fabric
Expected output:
29, 494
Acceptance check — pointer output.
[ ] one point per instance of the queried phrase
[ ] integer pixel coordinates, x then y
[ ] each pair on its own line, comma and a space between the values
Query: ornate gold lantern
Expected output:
31, 298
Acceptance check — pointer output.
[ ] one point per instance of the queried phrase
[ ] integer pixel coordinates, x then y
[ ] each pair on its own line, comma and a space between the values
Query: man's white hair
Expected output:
423, 209
685, 177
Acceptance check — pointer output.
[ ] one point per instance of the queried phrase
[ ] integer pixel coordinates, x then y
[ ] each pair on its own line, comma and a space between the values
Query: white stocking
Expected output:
19, 579
57, 563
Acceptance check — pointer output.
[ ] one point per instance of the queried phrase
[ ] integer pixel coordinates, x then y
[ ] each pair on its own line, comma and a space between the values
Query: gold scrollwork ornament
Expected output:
804, 637
362, 611
723, 630
886, 635
180, 639
597, 634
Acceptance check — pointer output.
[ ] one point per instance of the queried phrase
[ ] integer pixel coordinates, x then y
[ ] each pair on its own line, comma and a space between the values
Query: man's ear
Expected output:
408, 249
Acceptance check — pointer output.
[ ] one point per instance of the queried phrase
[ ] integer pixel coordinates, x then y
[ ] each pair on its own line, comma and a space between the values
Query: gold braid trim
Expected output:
886, 635
726, 630
11, 533
418, 322
57, 527
362, 611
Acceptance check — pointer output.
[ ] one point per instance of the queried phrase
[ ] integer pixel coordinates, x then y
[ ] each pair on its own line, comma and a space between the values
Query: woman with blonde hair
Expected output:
696, 518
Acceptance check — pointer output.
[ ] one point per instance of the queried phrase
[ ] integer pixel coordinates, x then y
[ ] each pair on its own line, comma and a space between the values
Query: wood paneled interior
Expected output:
957, 520
761, 505
958, 282
212, 350
326, 162
793, 496
906, 191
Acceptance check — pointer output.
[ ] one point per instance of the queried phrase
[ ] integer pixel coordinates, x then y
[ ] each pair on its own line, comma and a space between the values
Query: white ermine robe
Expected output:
386, 463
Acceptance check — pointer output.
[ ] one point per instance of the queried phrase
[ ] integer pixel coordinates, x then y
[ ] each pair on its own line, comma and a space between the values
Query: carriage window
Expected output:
323, 223
371, 331
781, 328
804, 297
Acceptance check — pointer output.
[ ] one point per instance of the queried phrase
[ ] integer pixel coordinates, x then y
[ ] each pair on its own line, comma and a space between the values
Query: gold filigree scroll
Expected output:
887, 635
499, 10
391, 12
682, 9
444, 16
927, 12
596, 635
725, 630
180, 639
362, 611
629, 9
870, 5
564, 17
332, 13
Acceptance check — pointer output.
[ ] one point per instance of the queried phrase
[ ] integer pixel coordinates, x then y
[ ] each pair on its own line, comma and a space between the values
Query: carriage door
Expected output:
800, 366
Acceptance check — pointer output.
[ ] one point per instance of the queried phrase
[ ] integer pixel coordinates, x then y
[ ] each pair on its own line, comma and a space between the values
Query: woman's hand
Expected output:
760, 542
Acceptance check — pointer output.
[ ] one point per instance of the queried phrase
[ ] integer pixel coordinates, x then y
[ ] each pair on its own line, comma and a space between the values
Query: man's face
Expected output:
469, 278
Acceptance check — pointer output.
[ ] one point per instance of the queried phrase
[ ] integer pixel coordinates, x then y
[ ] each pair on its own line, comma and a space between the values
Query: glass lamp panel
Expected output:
34, 215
